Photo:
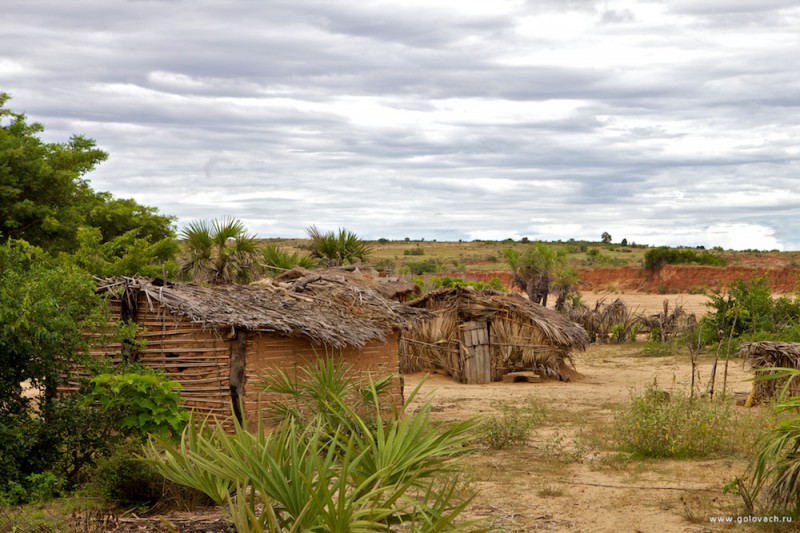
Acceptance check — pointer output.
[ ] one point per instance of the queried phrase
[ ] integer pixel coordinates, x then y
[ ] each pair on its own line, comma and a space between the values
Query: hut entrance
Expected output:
477, 352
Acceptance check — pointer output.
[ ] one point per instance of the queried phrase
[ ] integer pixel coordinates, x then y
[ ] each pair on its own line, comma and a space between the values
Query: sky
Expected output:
672, 122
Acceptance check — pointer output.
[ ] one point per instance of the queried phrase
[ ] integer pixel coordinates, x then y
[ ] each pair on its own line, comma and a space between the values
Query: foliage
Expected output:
317, 391
775, 470
45, 200
45, 308
605, 238
139, 403
534, 270
748, 308
275, 260
420, 268
655, 258
335, 249
337, 473
660, 424
124, 255
414, 251
220, 252
511, 426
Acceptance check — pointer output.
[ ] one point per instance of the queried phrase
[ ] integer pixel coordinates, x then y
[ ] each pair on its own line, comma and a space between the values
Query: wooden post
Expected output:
238, 375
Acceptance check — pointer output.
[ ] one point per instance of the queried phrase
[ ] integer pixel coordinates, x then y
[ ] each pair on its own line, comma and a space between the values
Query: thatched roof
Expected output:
392, 288
474, 304
771, 354
325, 310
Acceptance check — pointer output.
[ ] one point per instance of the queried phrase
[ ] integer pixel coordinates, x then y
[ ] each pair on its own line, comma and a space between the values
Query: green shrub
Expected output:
511, 426
414, 251
420, 268
655, 258
659, 424
139, 403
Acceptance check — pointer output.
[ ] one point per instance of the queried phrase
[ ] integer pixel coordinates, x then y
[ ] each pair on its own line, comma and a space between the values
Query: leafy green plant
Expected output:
510, 426
139, 403
339, 472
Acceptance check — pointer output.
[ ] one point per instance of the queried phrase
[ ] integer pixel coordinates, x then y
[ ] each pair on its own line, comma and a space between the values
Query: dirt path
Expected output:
565, 478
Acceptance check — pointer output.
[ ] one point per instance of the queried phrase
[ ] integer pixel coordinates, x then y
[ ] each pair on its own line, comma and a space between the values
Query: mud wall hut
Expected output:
216, 341
479, 336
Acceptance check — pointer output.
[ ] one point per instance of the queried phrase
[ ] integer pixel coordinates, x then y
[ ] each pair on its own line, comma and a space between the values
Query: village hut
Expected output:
478, 336
216, 341
765, 355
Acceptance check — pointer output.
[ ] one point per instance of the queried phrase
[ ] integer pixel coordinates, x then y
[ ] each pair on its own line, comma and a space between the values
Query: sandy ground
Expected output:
566, 478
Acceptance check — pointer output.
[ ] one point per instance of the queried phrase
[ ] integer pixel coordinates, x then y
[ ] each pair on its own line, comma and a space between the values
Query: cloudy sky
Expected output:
663, 122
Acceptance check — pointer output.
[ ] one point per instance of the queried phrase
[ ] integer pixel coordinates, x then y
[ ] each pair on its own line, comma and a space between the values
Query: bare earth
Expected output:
564, 479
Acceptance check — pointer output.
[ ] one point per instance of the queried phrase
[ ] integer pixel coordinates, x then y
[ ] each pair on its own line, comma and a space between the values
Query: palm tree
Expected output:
219, 252
337, 249
275, 260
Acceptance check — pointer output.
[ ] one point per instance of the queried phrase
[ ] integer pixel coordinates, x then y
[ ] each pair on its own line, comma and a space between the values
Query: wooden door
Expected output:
477, 355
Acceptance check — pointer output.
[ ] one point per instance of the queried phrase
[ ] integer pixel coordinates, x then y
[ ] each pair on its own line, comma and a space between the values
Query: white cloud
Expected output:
660, 122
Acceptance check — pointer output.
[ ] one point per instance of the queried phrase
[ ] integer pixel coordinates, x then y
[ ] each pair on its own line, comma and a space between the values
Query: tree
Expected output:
624, 242
45, 200
534, 270
220, 252
605, 237
45, 309
337, 249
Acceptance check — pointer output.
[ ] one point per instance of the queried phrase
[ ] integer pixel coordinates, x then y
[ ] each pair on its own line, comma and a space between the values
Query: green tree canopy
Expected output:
535, 269
46, 200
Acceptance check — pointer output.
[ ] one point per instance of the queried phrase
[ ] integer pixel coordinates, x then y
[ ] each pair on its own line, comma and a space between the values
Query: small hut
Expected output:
764, 355
215, 341
479, 336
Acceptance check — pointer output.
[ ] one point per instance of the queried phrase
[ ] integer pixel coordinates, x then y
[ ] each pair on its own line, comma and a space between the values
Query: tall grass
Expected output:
660, 424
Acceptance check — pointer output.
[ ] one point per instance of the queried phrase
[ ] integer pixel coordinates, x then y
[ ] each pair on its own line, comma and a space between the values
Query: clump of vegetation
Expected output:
414, 251
335, 249
659, 424
219, 252
655, 258
510, 426
436, 282
275, 260
420, 268
748, 312
335, 471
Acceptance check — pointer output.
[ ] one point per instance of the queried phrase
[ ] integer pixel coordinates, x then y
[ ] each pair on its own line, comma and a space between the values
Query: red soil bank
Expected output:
668, 279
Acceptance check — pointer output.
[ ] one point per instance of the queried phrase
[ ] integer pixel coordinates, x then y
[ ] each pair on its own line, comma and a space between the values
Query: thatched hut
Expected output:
215, 341
761, 356
479, 336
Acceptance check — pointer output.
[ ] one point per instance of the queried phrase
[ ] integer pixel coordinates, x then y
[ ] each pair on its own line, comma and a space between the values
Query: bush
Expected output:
660, 424
655, 258
420, 268
511, 426
414, 251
